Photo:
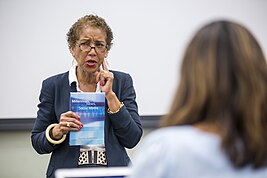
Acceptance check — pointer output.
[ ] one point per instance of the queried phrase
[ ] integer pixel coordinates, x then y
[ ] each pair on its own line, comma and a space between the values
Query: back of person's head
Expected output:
224, 82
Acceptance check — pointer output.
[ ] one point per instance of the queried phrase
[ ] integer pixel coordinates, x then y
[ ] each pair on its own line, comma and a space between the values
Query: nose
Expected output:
91, 54
92, 49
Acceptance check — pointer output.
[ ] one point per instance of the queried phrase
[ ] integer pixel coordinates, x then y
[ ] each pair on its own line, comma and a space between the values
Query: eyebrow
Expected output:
88, 39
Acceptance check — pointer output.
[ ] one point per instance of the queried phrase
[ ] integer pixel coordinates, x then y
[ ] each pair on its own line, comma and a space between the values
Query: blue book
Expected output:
90, 106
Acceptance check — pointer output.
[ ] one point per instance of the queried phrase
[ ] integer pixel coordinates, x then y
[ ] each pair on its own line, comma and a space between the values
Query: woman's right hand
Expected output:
68, 121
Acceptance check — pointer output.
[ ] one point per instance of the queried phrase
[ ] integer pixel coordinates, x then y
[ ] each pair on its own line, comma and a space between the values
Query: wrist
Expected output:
55, 134
47, 135
114, 112
110, 95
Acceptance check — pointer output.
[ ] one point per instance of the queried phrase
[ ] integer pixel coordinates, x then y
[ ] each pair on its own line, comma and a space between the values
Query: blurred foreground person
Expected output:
217, 124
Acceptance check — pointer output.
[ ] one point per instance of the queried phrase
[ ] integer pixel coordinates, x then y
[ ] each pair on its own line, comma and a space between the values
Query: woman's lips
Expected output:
91, 63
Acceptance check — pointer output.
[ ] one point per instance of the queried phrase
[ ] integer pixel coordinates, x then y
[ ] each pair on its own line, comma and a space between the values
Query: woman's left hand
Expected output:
105, 77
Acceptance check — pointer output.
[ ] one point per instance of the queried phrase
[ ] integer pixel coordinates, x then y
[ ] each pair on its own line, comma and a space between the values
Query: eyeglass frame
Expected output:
95, 47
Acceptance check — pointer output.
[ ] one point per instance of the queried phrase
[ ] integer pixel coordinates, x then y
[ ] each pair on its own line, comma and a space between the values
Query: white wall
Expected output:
150, 36
18, 159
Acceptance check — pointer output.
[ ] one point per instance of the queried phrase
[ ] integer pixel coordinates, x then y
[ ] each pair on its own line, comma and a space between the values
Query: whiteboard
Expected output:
149, 39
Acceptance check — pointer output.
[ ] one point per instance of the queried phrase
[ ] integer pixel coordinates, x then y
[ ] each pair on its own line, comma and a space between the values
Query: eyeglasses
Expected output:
98, 46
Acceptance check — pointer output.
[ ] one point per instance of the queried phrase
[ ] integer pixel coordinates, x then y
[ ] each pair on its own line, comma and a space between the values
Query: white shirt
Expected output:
186, 152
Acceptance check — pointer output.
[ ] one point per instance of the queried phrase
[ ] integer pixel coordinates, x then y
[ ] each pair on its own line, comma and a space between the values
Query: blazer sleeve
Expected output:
45, 117
126, 123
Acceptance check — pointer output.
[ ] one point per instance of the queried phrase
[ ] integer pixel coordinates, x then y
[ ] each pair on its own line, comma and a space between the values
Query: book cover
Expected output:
90, 106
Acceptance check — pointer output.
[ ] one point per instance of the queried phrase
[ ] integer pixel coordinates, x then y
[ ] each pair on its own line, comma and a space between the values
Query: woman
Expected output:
89, 40
218, 120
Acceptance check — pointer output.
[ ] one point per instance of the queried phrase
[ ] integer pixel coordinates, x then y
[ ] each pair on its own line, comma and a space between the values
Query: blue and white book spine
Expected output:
90, 106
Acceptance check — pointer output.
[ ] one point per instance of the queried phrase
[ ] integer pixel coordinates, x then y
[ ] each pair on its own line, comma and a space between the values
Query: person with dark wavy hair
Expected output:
89, 41
217, 123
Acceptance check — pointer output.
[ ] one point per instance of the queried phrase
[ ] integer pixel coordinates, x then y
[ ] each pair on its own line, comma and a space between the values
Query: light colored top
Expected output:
185, 152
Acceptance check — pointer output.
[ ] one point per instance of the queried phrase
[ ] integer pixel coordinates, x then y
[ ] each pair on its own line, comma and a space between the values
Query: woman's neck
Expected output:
210, 127
86, 81
85, 77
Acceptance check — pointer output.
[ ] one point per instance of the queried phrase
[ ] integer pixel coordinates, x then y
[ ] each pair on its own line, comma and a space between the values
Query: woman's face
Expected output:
90, 50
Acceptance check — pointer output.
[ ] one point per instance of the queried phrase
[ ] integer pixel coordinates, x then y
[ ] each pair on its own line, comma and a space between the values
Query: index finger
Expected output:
71, 114
105, 65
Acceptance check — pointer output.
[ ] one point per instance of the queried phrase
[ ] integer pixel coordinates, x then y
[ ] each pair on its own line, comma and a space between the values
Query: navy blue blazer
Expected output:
122, 129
